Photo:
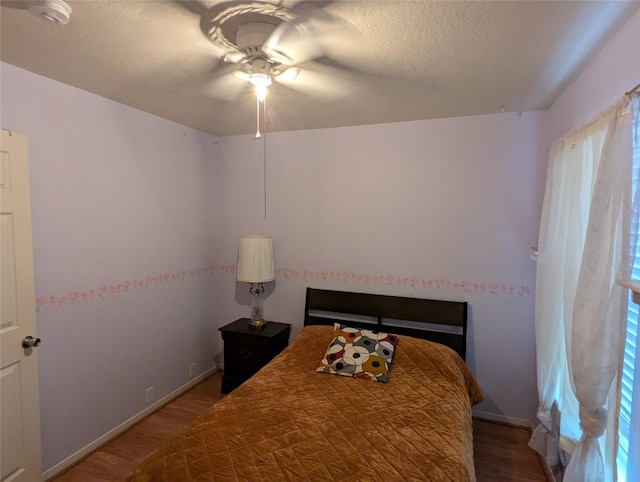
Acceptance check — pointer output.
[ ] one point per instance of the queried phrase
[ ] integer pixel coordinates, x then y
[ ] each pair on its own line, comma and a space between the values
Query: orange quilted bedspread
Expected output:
290, 423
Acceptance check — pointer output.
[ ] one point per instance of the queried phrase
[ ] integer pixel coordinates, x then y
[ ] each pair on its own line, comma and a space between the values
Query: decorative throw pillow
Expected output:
358, 353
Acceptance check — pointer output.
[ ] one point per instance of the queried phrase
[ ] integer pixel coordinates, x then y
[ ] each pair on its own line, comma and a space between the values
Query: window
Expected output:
584, 244
629, 357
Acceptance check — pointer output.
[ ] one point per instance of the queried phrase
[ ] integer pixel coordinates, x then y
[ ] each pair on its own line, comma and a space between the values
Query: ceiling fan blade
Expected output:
228, 88
233, 57
319, 81
293, 43
287, 75
309, 35
192, 13
229, 83
291, 4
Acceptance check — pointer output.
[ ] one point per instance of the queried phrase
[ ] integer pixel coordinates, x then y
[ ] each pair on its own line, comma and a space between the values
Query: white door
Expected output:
19, 400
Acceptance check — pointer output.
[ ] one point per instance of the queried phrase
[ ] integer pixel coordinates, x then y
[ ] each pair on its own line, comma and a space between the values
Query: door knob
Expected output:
29, 341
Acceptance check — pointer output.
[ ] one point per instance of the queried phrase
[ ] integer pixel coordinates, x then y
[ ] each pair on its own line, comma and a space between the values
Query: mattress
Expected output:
291, 423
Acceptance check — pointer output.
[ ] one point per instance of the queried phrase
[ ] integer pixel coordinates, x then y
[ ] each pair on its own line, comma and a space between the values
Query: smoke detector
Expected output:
55, 11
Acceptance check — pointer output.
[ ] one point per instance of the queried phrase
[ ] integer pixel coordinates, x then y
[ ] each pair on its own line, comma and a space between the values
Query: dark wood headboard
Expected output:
434, 320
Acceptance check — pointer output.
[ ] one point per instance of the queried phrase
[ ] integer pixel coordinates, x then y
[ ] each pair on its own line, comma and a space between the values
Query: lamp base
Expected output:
257, 324
257, 316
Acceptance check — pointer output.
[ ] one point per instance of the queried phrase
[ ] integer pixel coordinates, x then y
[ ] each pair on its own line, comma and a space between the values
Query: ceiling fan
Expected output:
263, 42
260, 62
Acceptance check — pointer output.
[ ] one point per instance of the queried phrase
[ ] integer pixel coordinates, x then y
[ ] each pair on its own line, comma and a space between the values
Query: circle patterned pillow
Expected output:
359, 353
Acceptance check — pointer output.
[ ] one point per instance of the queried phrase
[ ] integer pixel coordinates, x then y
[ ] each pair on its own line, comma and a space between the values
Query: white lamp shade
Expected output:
255, 259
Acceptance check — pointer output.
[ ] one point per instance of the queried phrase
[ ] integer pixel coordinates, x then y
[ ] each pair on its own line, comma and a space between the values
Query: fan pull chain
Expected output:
258, 135
264, 174
264, 154
261, 97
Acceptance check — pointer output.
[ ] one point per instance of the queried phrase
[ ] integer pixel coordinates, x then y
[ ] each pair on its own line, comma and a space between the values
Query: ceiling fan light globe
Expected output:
260, 79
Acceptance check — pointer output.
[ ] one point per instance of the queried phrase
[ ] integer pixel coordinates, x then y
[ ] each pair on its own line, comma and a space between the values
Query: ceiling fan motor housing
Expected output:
260, 66
250, 37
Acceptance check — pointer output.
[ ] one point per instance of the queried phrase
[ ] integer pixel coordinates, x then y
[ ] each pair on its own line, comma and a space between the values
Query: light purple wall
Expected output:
614, 71
444, 209
124, 270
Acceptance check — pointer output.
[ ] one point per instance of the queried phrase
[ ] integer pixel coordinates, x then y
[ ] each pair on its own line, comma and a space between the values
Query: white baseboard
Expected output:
493, 417
111, 434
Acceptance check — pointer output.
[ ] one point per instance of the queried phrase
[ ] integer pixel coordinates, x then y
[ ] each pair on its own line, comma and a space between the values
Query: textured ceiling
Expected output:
373, 61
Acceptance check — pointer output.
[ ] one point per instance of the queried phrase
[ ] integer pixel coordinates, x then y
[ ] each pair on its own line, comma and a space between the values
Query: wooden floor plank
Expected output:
501, 453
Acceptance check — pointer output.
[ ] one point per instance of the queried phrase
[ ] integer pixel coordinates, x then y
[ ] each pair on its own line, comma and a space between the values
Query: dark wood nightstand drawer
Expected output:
245, 359
247, 350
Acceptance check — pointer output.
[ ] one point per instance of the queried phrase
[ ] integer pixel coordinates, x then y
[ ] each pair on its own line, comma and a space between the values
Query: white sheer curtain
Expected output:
561, 238
599, 319
584, 246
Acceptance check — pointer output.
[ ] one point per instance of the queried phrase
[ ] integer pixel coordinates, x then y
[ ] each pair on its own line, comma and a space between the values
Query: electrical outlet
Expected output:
149, 394
192, 370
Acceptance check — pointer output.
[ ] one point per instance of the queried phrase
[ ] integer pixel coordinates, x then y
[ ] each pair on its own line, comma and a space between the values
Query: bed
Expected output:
296, 419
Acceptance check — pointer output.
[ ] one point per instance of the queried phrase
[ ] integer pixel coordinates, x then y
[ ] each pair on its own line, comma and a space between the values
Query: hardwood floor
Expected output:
115, 460
501, 453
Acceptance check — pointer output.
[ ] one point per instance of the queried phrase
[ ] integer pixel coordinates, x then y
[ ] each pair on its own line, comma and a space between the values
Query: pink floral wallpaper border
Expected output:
414, 282
125, 286
343, 277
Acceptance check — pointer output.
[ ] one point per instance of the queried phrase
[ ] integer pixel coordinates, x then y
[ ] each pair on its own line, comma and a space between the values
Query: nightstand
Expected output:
247, 350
